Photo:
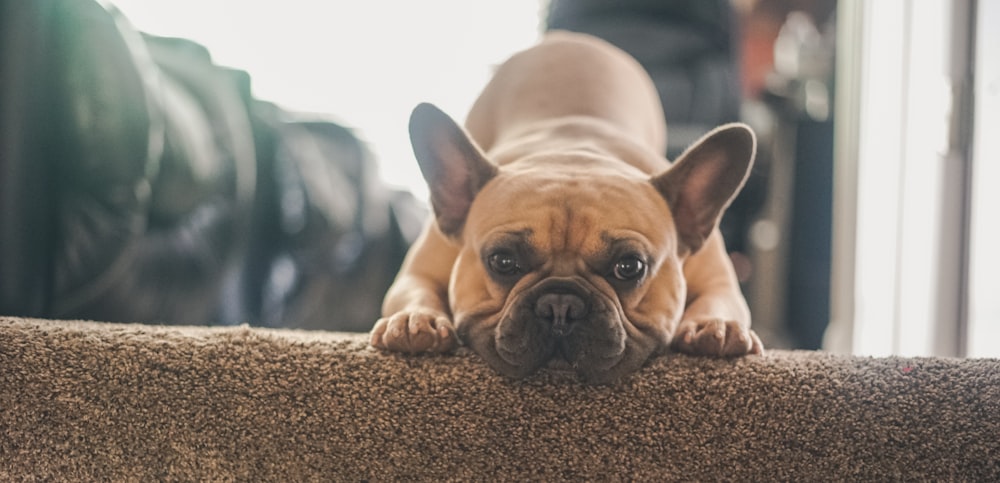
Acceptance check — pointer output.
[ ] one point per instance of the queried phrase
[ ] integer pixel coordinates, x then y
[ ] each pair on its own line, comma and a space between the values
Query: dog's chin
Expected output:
598, 369
598, 348
598, 361
521, 347
512, 348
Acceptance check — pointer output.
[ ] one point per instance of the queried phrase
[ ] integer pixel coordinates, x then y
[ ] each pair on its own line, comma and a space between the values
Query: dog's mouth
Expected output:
560, 318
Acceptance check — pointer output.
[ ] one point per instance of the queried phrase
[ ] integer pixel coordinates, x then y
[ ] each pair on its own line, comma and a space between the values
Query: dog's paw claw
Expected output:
714, 337
414, 332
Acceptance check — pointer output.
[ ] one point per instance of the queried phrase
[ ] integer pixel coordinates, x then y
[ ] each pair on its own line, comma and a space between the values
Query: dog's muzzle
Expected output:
560, 317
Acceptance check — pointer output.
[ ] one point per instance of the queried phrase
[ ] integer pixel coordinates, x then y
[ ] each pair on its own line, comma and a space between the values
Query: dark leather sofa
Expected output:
140, 182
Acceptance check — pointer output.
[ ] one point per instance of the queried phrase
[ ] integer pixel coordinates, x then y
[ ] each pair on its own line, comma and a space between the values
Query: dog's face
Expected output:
577, 268
572, 255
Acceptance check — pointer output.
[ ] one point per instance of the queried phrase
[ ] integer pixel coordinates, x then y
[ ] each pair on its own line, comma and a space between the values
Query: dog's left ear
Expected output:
705, 179
452, 164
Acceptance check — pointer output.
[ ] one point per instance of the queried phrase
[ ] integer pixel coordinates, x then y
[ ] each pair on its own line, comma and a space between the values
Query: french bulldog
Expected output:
561, 231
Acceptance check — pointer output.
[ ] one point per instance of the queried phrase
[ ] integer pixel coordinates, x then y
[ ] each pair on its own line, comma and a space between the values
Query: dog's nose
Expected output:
561, 310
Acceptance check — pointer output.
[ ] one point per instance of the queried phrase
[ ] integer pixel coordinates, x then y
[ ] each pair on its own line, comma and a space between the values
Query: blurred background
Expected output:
364, 64
217, 163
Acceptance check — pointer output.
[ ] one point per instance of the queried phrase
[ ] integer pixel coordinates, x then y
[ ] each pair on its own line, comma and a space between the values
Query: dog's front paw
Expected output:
414, 332
714, 337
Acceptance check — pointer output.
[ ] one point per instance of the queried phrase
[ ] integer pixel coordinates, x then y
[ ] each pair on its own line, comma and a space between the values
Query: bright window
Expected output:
367, 63
915, 264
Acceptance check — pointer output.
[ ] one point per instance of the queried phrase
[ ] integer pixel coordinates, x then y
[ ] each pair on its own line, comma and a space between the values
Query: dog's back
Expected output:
566, 75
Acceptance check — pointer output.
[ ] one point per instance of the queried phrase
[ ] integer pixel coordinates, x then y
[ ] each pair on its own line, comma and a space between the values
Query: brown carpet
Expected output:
88, 402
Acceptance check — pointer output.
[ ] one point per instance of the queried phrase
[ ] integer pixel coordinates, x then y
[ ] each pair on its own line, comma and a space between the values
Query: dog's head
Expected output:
572, 254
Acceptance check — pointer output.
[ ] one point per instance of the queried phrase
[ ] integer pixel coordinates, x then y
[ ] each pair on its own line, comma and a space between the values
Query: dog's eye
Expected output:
629, 267
503, 263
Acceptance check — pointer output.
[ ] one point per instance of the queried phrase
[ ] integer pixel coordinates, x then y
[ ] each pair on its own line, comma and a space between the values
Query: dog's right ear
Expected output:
452, 164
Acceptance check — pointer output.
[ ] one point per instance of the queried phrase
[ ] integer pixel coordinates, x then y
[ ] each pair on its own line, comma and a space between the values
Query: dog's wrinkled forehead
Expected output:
538, 243
556, 212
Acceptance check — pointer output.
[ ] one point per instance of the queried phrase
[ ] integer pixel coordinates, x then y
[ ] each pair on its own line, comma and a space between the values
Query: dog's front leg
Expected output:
415, 313
716, 320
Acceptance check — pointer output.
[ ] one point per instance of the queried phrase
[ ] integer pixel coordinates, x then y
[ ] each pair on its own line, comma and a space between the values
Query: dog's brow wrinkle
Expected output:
512, 235
523, 234
568, 217
572, 223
